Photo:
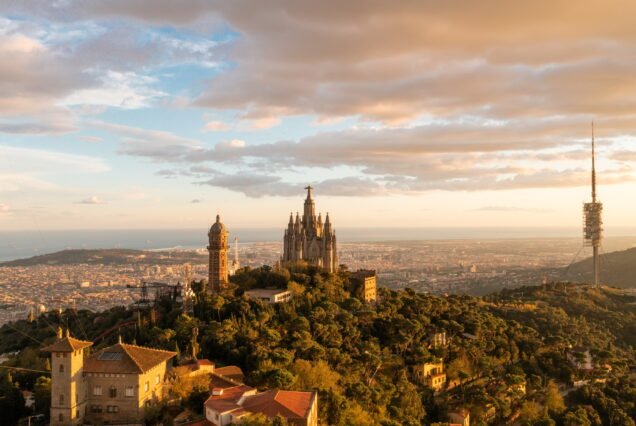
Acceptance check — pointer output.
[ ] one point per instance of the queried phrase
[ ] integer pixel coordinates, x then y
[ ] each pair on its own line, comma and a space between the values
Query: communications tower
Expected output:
593, 227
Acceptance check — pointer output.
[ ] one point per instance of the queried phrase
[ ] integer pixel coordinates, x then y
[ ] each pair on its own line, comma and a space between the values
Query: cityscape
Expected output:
469, 267
285, 213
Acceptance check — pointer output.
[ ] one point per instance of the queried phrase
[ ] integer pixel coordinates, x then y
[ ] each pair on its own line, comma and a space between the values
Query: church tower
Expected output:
68, 393
309, 240
218, 248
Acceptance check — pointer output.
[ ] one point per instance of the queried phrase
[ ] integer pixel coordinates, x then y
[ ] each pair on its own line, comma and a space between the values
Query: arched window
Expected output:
60, 417
61, 368
62, 399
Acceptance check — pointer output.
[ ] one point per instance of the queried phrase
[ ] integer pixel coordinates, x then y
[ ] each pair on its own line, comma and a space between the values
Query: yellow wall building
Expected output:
112, 385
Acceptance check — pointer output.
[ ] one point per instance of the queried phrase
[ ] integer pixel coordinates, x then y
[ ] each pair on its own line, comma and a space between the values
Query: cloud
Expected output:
624, 155
41, 161
196, 201
215, 126
156, 145
59, 65
91, 139
91, 200
443, 95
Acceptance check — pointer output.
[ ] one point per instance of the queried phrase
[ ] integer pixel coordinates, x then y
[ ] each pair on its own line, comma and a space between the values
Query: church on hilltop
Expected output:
309, 240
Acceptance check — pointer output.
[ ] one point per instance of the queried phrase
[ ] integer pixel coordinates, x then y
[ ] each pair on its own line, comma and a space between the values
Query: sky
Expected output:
130, 114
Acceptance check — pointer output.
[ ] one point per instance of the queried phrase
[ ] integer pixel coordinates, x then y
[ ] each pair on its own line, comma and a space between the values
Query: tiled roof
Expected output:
231, 372
289, 404
228, 400
67, 344
134, 359
217, 381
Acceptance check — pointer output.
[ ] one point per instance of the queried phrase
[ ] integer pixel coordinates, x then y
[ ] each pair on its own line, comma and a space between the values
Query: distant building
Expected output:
217, 248
228, 405
581, 358
29, 399
309, 240
112, 385
364, 282
438, 340
459, 417
270, 296
434, 375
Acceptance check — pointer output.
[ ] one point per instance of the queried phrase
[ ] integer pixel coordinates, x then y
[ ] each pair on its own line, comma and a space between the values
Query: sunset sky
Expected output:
163, 113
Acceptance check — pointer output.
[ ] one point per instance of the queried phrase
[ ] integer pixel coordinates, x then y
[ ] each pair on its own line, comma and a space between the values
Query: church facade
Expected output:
308, 239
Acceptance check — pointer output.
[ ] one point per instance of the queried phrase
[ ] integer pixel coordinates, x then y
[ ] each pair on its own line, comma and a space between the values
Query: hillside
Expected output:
618, 269
109, 257
367, 361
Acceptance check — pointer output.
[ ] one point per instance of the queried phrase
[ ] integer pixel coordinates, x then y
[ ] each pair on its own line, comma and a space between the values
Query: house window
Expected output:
76, 413
96, 408
130, 391
60, 417
62, 399
146, 386
157, 379
97, 391
61, 368
112, 409
112, 392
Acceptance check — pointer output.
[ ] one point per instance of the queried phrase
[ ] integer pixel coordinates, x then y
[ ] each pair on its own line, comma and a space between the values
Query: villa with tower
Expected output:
308, 239
111, 385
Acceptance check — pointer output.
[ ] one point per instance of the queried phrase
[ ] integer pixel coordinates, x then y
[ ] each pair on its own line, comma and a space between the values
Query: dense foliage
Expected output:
506, 361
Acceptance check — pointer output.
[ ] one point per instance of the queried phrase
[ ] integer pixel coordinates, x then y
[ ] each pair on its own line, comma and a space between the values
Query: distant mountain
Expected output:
618, 269
109, 257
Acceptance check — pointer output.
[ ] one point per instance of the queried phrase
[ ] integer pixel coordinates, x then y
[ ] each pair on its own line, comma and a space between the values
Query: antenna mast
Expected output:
593, 229
593, 167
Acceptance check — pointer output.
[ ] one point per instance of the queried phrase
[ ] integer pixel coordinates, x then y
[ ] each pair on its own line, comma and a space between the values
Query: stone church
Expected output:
308, 239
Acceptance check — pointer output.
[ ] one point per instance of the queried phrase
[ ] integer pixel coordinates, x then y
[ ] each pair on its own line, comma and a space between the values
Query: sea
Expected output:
22, 244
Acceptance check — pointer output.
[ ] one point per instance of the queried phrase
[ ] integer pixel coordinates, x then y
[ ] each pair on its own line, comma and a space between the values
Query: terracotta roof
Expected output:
67, 344
289, 404
231, 372
194, 366
217, 381
228, 400
124, 358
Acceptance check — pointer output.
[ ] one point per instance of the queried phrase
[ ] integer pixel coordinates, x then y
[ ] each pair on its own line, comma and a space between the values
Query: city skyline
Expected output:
120, 116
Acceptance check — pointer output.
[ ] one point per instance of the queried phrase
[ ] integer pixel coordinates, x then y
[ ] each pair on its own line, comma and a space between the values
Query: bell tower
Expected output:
218, 248
68, 394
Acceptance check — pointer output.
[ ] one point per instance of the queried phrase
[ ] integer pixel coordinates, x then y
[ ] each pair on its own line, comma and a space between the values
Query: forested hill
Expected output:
618, 268
510, 358
109, 257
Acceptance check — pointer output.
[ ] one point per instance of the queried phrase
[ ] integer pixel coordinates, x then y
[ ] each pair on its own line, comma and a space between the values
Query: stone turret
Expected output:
218, 249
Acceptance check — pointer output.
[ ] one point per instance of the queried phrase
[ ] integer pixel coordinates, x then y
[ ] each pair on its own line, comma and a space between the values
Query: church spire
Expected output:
309, 188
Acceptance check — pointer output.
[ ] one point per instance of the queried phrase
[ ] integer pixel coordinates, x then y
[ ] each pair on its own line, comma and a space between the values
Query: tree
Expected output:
530, 411
11, 400
553, 399
314, 375
42, 395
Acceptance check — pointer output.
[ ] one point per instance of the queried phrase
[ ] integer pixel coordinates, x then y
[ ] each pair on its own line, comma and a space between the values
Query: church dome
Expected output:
218, 227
